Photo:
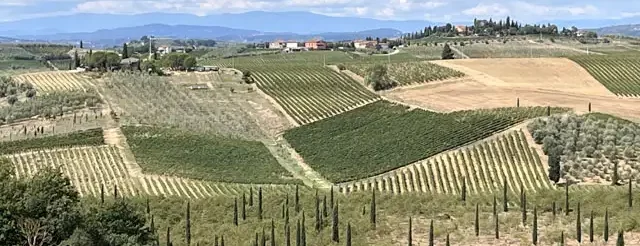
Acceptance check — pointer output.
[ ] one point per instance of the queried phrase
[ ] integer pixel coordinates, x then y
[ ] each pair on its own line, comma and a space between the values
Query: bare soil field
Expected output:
536, 82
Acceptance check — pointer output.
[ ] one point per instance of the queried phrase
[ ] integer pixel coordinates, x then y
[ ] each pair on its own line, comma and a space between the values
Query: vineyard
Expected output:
79, 138
594, 149
407, 73
311, 58
619, 74
55, 81
482, 168
514, 50
174, 152
161, 101
93, 168
309, 93
382, 136
69, 122
51, 105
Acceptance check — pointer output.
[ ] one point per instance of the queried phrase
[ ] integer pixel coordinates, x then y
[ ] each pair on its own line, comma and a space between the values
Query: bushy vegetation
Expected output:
21, 64
407, 73
79, 138
619, 74
174, 152
377, 77
382, 136
48, 51
49, 105
15, 53
589, 149
10, 87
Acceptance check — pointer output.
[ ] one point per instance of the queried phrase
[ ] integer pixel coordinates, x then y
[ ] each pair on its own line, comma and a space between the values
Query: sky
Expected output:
431, 10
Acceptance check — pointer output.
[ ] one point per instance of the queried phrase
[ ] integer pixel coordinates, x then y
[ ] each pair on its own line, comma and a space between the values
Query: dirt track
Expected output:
536, 81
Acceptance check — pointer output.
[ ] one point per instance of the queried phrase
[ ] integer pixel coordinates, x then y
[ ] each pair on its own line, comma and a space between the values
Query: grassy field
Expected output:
618, 73
87, 137
514, 50
315, 58
172, 152
165, 101
407, 73
484, 168
214, 217
310, 93
382, 136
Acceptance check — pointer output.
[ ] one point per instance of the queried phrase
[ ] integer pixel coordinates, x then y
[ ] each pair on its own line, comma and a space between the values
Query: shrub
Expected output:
12, 100
378, 78
341, 67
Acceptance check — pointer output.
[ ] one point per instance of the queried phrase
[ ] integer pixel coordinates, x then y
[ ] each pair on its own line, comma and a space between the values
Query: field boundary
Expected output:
460, 53
300, 169
276, 105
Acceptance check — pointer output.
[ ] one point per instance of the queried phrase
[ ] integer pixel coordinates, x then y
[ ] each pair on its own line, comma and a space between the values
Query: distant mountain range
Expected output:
625, 30
278, 22
116, 36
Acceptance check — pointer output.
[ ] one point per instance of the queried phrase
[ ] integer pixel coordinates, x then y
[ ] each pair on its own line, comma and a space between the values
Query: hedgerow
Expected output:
90, 137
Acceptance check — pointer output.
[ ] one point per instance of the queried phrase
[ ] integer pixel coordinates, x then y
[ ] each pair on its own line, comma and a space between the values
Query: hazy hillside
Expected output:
626, 30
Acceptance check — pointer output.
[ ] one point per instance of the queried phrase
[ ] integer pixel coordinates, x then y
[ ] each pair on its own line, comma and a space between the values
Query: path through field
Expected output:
458, 52
535, 81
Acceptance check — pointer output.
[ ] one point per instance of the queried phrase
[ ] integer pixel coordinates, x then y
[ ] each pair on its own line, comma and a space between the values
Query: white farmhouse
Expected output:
292, 44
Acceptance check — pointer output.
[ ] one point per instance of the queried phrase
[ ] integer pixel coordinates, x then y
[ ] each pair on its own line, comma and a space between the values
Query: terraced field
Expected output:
382, 136
55, 81
91, 168
484, 167
619, 74
309, 93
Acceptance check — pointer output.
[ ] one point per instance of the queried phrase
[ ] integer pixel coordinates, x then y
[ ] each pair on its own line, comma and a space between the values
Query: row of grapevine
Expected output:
481, 168
407, 73
309, 93
619, 74
312, 58
91, 169
55, 81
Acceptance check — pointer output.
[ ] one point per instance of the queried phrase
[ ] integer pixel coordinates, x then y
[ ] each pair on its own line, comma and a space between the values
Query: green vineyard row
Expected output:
619, 74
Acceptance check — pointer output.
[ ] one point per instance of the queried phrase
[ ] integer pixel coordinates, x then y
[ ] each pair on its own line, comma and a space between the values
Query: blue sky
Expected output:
433, 10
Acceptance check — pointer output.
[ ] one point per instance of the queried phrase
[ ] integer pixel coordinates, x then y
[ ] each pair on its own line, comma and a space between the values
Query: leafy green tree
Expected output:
447, 53
103, 60
554, 166
190, 62
125, 51
42, 209
175, 61
378, 78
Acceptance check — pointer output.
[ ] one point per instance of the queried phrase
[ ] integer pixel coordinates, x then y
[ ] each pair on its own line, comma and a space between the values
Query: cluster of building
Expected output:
317, 44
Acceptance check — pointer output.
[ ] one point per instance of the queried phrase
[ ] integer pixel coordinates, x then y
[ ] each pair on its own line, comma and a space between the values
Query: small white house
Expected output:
292, 45
278, 44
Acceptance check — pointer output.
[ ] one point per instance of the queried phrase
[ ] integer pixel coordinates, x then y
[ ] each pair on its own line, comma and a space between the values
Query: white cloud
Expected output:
555, 11
629, 14
482, 9
321, 3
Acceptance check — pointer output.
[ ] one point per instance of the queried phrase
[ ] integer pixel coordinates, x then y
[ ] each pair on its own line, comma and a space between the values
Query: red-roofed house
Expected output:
315, 44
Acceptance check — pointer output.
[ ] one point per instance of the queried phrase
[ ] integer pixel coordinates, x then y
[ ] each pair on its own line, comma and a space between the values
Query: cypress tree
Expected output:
464, 189
630, 193
606, 225
297, 200
364, 210
495, 209
76, 60
620, 241
263, 240
334, 226
235, 211
222, 240
548, 110
287, 235
524, 208
589, 107
286, 215
431, 233
325, 212
188, 224
409, 237
591, 227
303, 232
553, 209
152, 225
215, 241
477, 222
348, 243
447, 243
578, 223
115, 191
318, 213
169, 236
273, 234
244, 205
125, 51
331, 198
497, 225
148, 207
372, 209
260, 203
535, 226
566, 199
298, 241
562, 238
101, 193
81, 45
250, 196
517, 102
505, 203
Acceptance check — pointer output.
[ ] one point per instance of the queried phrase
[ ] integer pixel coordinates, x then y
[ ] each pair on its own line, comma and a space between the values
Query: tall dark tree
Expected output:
244, 207
298, 236
331, 198
620, 241
463, 194
410, 237
447, 53
630, 193
101, 193
125, 51
222, 240
76, 59
591, 227
524, 207
260, 203
318, 213
553, 209
505, 202
81, 45
447, 243
334, 225
297, 200
273, 234
495, 206
554, 166
250, 196
187, 234
562, 238
497, 225
148, 207
169, 237
476, 225
325, 211
606, 225
535, 226
235, 211
287, 235
431, 233
263, 239
115, 191
566, 199
372, 209
348, 240
578, 225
